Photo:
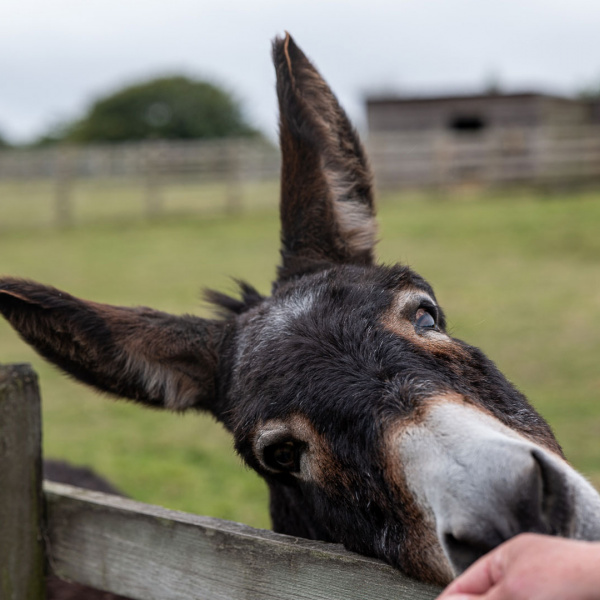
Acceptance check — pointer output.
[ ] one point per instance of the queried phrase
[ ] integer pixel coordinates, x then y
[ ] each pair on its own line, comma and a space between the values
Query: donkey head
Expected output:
371, 425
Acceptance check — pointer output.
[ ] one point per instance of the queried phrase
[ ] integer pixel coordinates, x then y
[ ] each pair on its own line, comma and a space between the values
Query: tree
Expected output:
591, 92
165, 108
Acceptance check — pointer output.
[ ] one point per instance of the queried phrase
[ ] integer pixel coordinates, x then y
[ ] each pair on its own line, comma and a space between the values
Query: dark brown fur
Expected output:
318, 143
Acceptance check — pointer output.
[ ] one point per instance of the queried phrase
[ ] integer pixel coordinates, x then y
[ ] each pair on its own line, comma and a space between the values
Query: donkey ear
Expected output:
146, 355
327, 212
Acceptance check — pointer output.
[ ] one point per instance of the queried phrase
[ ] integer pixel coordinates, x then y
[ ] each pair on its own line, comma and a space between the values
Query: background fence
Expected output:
149, 553
64, 185
539, 156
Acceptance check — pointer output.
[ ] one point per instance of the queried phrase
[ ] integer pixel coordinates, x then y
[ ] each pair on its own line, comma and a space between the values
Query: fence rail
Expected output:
67, 185
150, 553
542, 156
148, 171
255, 158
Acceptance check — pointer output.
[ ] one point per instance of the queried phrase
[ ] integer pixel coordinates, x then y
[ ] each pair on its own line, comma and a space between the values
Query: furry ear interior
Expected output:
148, 356
327, 208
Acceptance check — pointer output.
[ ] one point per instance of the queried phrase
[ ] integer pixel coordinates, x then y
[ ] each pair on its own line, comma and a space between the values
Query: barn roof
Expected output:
424, 99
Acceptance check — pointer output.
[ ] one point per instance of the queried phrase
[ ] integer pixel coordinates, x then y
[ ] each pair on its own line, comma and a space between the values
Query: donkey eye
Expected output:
424, 319
284, 456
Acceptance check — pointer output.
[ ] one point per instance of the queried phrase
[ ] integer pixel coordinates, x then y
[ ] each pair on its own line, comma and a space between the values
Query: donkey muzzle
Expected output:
479, 483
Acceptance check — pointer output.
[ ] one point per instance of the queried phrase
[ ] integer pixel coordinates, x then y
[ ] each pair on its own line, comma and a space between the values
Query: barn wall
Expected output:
514, 155
438, 114
487, 140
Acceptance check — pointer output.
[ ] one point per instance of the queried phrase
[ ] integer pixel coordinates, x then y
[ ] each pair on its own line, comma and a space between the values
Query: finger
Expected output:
477, 579
494, 593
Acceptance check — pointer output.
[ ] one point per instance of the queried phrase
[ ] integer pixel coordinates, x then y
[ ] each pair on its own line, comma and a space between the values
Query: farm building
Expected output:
483, 139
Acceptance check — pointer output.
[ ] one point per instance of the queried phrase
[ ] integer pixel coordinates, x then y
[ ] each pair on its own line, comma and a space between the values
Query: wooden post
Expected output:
21, 544
153, 192
64, 183
233, 173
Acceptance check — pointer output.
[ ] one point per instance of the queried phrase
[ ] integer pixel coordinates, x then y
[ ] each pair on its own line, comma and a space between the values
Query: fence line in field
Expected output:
150, 168
150, 553
229, 172
539, 156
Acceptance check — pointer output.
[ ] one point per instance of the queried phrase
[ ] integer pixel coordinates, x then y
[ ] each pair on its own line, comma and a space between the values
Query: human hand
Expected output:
532, 567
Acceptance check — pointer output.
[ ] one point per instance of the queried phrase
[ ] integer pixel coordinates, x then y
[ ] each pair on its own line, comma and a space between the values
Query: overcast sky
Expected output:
56, 56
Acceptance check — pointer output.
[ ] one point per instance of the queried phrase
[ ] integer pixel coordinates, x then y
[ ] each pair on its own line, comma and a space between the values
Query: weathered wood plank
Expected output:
21, 547
151, 553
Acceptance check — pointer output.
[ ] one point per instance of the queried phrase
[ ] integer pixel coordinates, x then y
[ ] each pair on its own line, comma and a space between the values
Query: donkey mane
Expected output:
226, 306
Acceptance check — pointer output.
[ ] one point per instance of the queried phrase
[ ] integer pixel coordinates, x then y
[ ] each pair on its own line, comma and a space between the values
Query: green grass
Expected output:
518, 275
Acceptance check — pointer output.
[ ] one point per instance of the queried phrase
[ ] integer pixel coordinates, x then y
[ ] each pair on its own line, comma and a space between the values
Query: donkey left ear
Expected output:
327, 211
148, 356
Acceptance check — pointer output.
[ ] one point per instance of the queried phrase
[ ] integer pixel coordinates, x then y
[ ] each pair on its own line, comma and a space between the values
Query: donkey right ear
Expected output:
138, 353
327, 212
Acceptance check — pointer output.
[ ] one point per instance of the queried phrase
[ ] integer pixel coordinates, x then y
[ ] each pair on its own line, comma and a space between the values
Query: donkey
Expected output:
370, 424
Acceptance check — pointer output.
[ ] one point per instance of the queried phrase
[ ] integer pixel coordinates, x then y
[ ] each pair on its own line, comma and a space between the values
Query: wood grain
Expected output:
150, 553
21, 546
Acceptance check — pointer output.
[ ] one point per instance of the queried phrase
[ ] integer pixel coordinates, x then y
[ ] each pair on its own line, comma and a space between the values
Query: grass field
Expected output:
518, 275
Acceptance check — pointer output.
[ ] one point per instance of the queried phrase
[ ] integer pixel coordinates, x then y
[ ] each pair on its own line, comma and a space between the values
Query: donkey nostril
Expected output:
534, 498
554, 501
463, 551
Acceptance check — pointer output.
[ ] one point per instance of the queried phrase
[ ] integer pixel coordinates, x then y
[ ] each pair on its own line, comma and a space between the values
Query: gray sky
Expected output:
56, 56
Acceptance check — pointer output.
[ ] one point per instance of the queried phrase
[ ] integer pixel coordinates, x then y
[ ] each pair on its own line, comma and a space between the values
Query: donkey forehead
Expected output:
365, 291
342, 298
323, 346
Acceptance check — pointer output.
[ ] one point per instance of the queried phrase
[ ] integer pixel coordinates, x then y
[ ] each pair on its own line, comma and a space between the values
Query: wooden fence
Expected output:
151, 179
147, 552
539, 156
225, 168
